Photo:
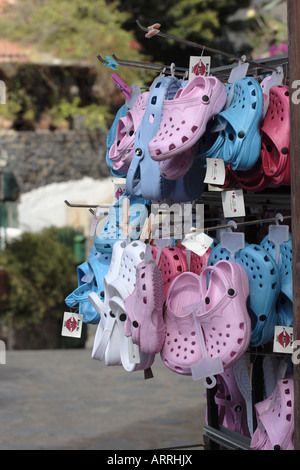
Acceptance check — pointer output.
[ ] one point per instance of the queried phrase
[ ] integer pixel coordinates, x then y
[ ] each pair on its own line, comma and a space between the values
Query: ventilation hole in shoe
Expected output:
144, 300
131, 133
287, 93
288, 417
194, 128
172, 146
227, 326
142, 255
185, 339
287, 391
289, 404
260, 285
144, 287
240, 340
176, 257
184, 139
274, 285
151, 118
249, 83
179, 268
158, 152
232, 354
178, 368
242, 326
193, 333
254, 105
253, 92
230, 136
192, 351
185, 349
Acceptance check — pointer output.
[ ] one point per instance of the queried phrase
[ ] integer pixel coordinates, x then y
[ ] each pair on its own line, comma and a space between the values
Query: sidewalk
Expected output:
63, 399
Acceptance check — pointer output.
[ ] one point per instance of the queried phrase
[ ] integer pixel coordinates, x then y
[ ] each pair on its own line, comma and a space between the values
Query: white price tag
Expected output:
199, 65
197, 242
72, 325
283, 339
215, 171
233, 203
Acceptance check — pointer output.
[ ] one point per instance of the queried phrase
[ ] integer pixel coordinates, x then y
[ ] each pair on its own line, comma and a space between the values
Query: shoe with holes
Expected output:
275, 419
172, 262
110, 139
94, 271
275, 137
176, 167
142, 360
232, 410
112, 230
144, 308
264, 279
184, 119
144, 178
253, 180
121, 151
226, 323
181, 348
242, 142
285, 299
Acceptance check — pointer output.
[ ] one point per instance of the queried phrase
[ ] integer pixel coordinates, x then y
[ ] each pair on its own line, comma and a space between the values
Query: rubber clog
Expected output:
181, 348
232, 410
172, 262
110, 138
275, 418
264, 279
176, 167
240, 139
190, 186
144, 308
226, 323
151, 184
253, 180
275, 136
98, 267
121, 151
117, 306
184, 119
112, 230
285, 298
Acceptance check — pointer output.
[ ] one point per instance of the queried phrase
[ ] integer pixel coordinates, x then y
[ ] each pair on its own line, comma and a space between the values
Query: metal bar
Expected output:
294, 68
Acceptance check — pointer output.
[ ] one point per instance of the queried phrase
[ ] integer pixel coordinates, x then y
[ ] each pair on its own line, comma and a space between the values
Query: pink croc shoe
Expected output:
179, 165
172, 262
185, 117
226, 324
275, 137
144, 308
182, 347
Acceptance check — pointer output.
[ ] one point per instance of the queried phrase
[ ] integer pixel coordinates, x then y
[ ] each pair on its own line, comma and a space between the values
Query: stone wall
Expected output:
38, 158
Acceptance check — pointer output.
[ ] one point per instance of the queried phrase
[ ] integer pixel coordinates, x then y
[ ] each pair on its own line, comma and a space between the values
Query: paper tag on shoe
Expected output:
215, 171
199, 65
233, 203
133, 352
72, 325
283, 339
197, 242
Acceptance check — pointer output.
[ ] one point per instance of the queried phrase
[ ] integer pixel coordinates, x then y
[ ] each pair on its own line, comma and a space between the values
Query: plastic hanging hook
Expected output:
238, 72
232, 241
121, 85
275, 79
278, 234
207, 367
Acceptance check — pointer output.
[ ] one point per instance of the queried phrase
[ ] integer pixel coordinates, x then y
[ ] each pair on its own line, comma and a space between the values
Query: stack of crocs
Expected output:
225, 324
275, 419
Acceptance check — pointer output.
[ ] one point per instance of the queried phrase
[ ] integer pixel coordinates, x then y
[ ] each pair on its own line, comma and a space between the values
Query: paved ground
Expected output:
63, 399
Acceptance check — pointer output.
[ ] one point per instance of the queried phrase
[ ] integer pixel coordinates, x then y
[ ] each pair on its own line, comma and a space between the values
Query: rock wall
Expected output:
38, 158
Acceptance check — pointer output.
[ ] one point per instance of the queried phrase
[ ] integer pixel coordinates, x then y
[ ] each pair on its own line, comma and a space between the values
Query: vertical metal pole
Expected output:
293, 11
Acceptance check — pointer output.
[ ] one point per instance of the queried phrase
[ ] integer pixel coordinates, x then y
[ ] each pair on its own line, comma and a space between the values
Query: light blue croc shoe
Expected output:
98, 266
112, 230
111, 138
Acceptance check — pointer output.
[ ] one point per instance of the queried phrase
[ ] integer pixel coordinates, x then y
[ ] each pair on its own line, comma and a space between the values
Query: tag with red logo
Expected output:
72, 325
283, 339
199, 65
215, 171
233, 203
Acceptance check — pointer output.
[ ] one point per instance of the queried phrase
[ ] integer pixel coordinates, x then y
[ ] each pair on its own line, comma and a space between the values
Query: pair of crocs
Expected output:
112, 230
275, 419
232, 409
285, 297
275, 137
144, 308
90, 276
121, 151
238, 140
264, 281
225, 324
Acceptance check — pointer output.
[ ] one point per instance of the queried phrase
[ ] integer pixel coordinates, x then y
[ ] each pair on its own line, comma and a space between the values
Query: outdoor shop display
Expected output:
223, 315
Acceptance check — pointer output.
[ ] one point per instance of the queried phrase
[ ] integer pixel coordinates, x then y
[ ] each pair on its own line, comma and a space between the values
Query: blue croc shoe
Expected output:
285, 298
98, 266
151, 185
112, 230
242, 143
264, 280
111, 138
